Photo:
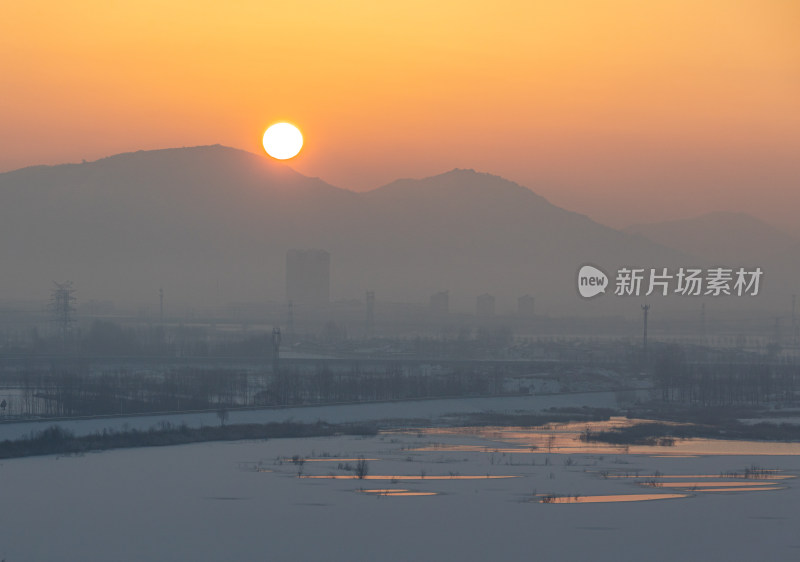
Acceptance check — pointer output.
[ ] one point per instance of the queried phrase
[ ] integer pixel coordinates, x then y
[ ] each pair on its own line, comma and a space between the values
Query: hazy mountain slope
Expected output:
212, 225
735, 239
478, 232
195, 219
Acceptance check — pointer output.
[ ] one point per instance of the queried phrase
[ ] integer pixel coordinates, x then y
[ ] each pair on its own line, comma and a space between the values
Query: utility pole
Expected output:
703, 320
370, 319
280, 391
276, 348
290, 323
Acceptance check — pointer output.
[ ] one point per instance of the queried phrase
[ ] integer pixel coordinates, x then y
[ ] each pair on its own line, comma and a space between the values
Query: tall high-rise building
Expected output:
526, 306
484, 306
440, 303
370, 318
308, 277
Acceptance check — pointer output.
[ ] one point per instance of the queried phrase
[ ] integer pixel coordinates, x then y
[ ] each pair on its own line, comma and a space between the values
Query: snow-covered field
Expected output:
249, 501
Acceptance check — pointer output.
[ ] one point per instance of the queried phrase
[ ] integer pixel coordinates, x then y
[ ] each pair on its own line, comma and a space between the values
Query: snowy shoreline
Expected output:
429, 409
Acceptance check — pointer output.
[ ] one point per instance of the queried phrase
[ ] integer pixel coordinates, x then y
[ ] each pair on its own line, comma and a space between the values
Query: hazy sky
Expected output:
623, 110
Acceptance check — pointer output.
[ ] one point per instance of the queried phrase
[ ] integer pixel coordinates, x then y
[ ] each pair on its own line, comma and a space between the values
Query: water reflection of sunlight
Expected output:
754, 489
415, 477
710, 484
396, 492
719, 476
327, 459
511, 447
339, 460
610, 498
566, 439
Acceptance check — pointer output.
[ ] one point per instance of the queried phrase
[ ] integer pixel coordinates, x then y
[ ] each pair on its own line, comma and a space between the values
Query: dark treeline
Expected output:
391, 383
117, 370
664, 435
105, 338
723, 381
56, 440
483, 342
59, 392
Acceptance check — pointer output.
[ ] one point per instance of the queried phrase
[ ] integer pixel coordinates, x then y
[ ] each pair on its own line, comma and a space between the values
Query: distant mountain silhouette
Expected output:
473, 232
206, 222
721, 237
212, 225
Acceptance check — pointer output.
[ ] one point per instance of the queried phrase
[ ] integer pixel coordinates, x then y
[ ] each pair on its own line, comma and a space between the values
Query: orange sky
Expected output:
618, 109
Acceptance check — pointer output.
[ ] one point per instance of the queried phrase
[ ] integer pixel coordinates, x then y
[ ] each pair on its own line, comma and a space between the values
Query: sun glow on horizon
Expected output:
620, 110
282, 141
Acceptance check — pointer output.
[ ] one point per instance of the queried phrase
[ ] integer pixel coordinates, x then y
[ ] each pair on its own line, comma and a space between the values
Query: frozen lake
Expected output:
457, 494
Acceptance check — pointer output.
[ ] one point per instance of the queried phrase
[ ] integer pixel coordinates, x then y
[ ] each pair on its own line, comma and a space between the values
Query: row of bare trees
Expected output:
392, 383
79, 393
723, 382
82, 391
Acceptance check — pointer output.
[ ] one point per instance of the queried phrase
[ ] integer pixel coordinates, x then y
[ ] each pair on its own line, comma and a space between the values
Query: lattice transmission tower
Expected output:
62, 307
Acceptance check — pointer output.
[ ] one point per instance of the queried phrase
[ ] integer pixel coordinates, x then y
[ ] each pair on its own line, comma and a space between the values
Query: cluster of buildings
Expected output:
308, 277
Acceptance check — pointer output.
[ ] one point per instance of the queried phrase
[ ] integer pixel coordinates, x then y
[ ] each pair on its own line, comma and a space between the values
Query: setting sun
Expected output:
502, 261
283, 141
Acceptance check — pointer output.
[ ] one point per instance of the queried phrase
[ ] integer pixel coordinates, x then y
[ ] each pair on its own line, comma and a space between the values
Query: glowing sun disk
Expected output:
283, 141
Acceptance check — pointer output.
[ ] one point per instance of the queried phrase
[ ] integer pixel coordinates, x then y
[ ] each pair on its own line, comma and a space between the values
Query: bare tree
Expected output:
299, 461
362, 468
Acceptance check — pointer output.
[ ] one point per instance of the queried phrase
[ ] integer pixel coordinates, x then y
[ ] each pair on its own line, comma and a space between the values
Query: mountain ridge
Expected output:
212, 224
719, 235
